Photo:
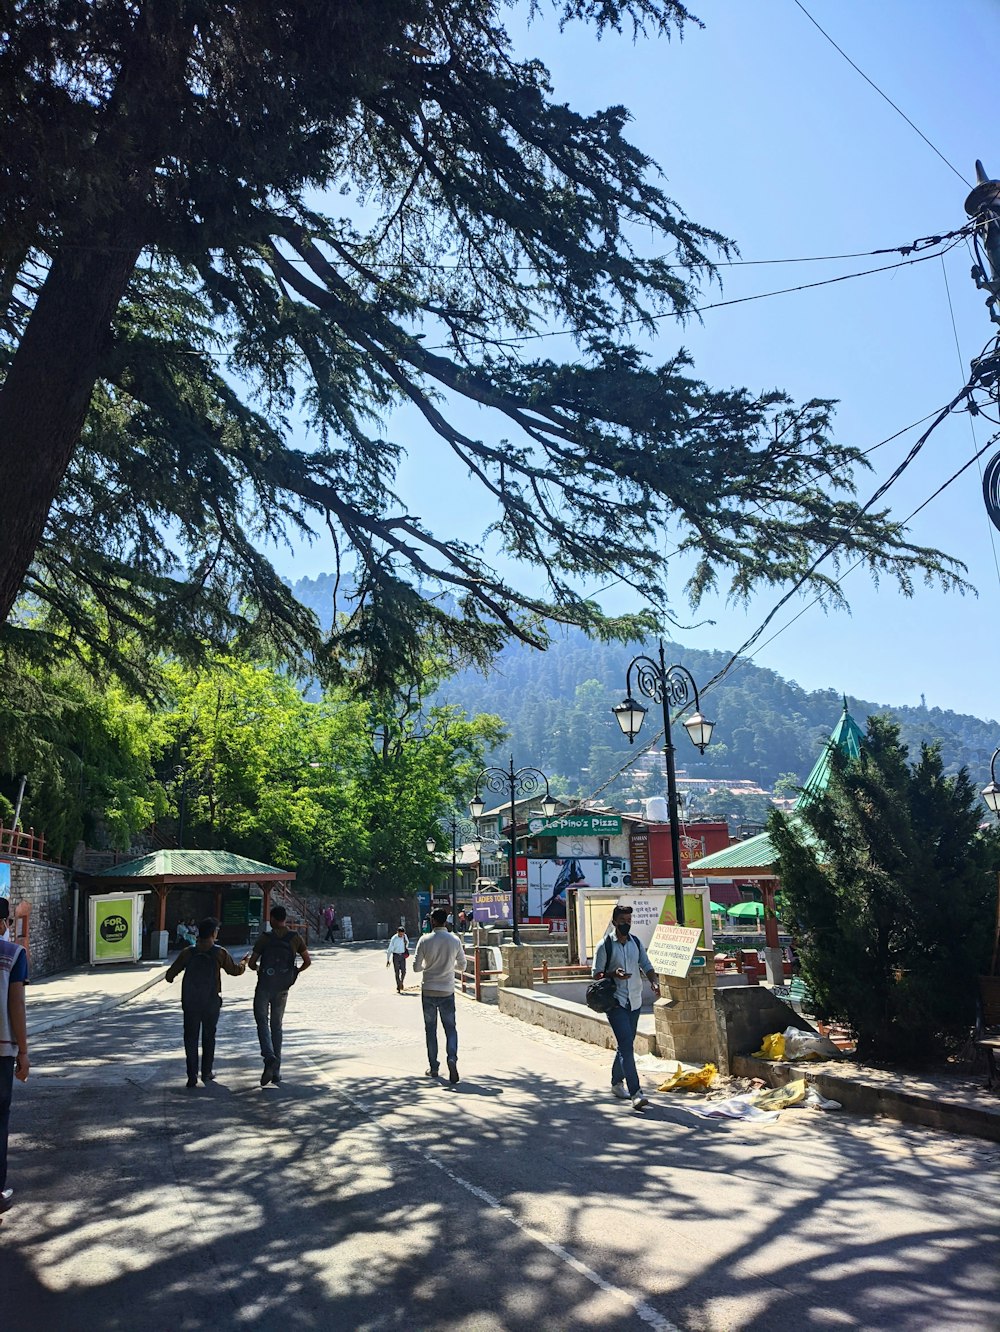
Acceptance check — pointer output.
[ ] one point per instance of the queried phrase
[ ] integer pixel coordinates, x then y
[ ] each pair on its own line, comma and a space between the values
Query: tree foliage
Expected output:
221, 220
886, 886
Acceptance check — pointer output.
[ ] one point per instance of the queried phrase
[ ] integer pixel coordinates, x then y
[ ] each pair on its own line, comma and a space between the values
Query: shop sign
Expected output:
577, 825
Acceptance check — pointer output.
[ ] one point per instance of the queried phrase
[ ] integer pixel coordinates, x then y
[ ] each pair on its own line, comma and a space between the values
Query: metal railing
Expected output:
25, 845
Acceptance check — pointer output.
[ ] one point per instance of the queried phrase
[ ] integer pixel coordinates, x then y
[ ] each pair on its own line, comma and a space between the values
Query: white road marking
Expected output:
644, 1311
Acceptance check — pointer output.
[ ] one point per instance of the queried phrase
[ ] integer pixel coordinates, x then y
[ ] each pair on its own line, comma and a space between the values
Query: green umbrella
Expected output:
717, 906
746, 910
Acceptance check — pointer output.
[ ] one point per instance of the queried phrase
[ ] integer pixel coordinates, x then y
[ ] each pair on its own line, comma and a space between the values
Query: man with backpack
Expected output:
622, 956
273, 959
201, 995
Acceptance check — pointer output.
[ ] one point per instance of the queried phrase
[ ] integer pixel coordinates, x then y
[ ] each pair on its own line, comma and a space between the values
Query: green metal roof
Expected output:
193, 864
758, 853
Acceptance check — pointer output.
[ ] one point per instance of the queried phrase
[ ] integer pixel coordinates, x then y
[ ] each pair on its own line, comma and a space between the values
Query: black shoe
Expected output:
192, 1082
268, 1074
432, 1072
275, 1079
208, 1077
453, 1073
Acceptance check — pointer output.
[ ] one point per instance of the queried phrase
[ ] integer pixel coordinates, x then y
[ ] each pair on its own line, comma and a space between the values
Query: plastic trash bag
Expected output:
695, 1079
780, 1098
736, 1107
771, 1047
808, 1045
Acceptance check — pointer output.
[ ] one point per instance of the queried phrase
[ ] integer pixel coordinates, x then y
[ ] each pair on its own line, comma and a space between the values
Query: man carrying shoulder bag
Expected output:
623, 957
273, 959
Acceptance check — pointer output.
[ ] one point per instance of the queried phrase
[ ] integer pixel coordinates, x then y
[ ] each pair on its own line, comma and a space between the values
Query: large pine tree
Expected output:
218, 217
887, 887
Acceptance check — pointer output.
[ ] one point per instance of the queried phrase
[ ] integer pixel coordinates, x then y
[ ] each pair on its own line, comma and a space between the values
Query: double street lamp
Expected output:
991, 793
671, 687
515, 782
457, 827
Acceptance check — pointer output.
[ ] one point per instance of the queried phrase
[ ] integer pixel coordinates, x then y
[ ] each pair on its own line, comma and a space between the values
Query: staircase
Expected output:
301, 915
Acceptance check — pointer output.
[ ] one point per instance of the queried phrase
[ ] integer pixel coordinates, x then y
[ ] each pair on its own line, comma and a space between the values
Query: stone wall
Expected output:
685, 1016
744, 1016
45, 888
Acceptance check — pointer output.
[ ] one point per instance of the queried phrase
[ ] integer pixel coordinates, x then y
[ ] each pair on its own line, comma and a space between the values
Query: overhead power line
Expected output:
885, 96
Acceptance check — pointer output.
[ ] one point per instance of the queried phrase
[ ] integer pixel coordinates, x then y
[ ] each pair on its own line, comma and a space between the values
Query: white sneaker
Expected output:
618, 1088
639, 1102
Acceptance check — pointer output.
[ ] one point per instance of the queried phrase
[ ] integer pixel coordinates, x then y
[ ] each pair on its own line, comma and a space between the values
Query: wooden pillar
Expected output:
217, 913
266, 910
770, 921
161, 910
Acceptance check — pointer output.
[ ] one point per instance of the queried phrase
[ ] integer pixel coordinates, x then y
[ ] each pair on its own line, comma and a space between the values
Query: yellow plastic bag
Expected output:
779, 1098
771, 1047
696, 1079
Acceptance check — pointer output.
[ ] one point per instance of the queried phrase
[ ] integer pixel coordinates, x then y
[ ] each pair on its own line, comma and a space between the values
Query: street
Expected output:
361, 1195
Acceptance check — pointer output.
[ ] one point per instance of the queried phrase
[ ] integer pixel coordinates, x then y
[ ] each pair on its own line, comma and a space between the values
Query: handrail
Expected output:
25, 845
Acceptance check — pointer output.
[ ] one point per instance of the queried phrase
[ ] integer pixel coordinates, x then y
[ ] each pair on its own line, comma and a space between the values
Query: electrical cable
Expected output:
881, 94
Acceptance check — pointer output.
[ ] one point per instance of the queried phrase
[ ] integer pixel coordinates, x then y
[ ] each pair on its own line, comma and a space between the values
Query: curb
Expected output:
863, 1098
43, 1025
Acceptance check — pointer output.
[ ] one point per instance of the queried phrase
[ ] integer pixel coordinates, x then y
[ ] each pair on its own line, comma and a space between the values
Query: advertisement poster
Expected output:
4, 879
672, 948
114, 926
548, 881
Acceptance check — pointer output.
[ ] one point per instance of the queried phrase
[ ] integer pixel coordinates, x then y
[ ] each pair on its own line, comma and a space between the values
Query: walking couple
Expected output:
272, 958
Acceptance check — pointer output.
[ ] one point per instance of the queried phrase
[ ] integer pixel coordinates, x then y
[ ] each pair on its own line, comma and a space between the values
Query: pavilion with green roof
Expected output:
214, 872
755, 858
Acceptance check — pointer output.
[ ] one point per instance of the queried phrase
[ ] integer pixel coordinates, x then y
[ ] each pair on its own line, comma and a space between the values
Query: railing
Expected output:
26, 845
547, 969
308, 916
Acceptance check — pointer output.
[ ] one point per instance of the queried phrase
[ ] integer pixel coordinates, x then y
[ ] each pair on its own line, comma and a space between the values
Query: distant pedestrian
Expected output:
397, 952
330, 920
13, 1040
273, 958
622, 955
438, 955
202, 963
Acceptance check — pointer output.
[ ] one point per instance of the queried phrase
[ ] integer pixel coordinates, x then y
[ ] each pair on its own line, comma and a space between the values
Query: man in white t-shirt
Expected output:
437, 957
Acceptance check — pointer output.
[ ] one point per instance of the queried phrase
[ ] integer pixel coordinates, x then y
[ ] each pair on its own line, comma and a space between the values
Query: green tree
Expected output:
886, 886
175, 299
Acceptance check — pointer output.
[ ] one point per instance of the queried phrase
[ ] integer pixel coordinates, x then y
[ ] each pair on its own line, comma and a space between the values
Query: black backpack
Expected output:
277, 970
201, 977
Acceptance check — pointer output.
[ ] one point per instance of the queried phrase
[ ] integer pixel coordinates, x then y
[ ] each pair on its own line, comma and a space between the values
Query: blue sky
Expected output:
764, 132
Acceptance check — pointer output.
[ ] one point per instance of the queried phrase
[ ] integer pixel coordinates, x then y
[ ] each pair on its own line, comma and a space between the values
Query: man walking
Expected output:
13, 1041
438, 955
622, 956
330, 921
397, 952
273, 958
201, 995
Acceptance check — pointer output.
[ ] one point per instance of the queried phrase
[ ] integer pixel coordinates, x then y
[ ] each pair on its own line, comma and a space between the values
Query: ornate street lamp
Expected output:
456, 827
520, 781
671, 687
991, 793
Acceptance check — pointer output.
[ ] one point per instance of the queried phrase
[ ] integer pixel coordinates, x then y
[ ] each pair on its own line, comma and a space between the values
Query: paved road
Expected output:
360, 1197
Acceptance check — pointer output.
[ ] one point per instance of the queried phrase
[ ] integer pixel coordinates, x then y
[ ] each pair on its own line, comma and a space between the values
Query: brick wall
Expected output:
45, 888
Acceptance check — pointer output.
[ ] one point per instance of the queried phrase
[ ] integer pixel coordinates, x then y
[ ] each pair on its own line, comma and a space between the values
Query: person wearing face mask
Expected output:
622, 956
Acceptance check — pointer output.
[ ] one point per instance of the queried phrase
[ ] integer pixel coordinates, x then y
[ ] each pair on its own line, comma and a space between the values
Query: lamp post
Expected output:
520, 781
991, 793
670, 686
455, 826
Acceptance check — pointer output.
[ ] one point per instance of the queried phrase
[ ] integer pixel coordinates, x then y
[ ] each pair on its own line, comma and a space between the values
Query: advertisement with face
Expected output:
549, 880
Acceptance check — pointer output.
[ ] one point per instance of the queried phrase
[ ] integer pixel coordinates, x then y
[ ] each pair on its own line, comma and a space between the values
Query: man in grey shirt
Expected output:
437, 957
622, 956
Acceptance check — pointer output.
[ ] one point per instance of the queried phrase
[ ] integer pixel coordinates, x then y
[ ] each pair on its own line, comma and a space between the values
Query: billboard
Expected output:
547, 882
116, 927
4, 879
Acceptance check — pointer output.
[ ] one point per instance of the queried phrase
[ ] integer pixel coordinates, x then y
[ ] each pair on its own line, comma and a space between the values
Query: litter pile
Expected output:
762, 1104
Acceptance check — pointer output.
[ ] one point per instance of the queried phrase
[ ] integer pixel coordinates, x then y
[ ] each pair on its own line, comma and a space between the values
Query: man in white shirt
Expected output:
622, 956
397, 952
438, 955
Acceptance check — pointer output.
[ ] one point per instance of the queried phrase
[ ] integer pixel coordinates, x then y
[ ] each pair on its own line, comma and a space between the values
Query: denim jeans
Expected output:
269, 1014
625, 1023
6, 1092
201, 1022
445, 1005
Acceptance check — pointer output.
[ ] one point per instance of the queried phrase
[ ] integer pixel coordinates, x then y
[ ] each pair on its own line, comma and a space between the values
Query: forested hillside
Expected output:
557, 708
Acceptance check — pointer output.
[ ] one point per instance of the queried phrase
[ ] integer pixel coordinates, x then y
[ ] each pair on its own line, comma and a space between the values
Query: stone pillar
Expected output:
518, 962
685, 1015
774, 965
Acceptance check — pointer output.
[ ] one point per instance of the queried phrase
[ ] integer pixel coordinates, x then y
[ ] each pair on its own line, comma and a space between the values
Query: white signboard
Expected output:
672, 948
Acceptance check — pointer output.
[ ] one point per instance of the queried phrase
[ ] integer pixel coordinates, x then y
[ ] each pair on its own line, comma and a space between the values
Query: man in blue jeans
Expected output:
273, 958
437, 957
622, 956
13, 1042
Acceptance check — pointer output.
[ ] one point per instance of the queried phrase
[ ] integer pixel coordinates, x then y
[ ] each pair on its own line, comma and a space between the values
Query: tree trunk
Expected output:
46, 394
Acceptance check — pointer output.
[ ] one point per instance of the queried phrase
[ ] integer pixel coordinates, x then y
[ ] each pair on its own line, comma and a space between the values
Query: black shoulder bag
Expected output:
601, 996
